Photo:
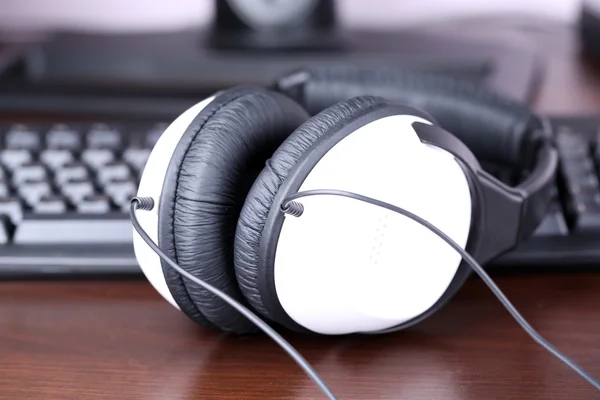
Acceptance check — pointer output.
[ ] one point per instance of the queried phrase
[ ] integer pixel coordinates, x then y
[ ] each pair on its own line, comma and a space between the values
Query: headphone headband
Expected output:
495, 129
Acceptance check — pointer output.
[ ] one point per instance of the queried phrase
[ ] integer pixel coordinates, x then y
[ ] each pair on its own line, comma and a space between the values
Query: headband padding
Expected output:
494, 128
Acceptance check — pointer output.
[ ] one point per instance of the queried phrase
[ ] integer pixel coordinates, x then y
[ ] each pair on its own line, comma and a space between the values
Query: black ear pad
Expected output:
253, 217
219, 156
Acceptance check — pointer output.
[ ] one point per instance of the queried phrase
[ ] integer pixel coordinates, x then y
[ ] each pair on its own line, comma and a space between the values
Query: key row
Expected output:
115, 170
71, 228
76, 193
578, 143
76, 136
96, 159
580, 181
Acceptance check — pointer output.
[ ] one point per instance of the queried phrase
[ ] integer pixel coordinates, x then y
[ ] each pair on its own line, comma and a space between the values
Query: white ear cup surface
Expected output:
345, 266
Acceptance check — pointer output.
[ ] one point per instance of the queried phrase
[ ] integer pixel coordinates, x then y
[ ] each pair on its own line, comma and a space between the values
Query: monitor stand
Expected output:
162, 74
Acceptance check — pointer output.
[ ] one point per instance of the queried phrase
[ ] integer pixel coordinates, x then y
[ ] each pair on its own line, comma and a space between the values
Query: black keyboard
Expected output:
65, 191
569, 236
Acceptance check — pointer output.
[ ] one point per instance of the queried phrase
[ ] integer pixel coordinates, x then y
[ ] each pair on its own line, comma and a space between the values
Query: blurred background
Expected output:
181, 50
152, 15
194, 47
88, 86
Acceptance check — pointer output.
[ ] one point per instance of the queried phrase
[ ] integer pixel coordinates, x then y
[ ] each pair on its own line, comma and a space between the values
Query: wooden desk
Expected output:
119, 340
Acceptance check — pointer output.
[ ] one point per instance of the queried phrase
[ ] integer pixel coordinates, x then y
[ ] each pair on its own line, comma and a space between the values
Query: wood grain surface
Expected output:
118, 340
77, 340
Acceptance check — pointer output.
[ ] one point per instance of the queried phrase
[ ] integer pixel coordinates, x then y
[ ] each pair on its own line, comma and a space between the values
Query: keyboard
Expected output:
569, 235
65, 190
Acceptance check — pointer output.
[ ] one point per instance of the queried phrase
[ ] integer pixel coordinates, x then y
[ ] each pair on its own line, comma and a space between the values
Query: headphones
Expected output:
220, 172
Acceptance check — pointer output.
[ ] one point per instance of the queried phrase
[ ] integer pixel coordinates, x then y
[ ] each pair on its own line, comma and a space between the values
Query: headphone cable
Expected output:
296, 209
146, 203
289, 206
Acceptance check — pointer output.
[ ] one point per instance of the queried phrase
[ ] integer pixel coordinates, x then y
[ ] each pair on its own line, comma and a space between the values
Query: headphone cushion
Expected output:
210, 173
253, 217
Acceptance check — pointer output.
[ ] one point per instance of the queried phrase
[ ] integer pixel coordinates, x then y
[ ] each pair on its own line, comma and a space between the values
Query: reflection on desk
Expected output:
98, 340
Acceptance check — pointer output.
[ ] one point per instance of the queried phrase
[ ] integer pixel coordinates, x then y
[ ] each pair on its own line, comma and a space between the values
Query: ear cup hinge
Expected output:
502, 219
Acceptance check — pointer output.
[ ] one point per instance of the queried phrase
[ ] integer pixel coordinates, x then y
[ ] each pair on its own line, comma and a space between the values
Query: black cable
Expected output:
288, 205
145, 203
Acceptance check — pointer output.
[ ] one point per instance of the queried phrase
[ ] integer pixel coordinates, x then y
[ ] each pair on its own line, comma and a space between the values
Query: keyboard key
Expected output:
4, 189
29, 172
586, 216
553, 224
94, 204
586, 187
96, 158
4, 229
116, 170
22, 137
12, 158
73, 228
70, 171
572, 146
76, 189
11, 207
597, 148
102, 136
137, 158
50, 205
577, 167
582, 189
33, 191
56, 158
63, 137
121, 192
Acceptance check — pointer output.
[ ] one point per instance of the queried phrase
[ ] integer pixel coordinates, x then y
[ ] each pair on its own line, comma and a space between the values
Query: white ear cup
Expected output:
151, 184
345, 266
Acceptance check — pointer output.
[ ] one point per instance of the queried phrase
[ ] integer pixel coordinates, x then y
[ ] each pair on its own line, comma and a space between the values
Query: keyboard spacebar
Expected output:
74, 228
